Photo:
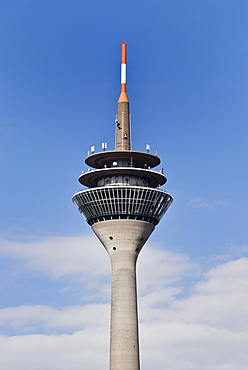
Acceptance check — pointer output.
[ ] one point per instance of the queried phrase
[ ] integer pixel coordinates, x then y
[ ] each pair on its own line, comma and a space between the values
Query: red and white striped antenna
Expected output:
123, 95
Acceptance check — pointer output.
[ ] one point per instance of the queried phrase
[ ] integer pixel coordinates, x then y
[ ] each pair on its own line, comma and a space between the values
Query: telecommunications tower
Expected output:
122, 204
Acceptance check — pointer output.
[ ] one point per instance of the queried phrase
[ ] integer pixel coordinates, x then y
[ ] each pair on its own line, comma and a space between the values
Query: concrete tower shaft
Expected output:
123, 205
123, 240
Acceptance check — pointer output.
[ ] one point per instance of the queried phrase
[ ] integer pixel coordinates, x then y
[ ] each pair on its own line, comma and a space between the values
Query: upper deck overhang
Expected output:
91, 178
140, 159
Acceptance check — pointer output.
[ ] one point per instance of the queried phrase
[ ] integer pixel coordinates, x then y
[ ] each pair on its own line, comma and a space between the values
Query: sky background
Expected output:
187, 82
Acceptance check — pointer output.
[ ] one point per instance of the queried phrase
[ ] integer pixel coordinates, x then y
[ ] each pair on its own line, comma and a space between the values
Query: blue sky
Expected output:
187, 85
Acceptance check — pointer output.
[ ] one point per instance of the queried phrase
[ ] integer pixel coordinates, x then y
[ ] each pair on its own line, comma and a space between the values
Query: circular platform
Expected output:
140, 159
91, 178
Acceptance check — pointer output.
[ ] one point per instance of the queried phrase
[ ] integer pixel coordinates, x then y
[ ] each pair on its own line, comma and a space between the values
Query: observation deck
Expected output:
122, 168
122, 175
122, 186
122, 202
130, 157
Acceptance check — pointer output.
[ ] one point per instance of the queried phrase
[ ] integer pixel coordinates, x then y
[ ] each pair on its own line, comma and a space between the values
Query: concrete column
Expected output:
124, 341
123, 240
122, 141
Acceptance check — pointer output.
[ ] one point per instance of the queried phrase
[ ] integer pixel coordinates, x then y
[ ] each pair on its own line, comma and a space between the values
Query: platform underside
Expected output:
123, 235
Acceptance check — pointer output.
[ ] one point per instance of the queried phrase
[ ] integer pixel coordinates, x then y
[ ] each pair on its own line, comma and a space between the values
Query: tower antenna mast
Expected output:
122, 140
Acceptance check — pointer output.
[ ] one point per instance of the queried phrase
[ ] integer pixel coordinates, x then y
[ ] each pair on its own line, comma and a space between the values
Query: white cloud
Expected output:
48, 320
59, 256
179, 346
158, 268
206, 329
81, 350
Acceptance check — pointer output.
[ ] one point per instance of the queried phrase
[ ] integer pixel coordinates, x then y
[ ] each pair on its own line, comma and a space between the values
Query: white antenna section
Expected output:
92, 149
148, 148
104, 146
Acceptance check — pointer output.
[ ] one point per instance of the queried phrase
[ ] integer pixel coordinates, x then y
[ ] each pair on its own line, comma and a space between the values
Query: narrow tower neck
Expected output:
122, 141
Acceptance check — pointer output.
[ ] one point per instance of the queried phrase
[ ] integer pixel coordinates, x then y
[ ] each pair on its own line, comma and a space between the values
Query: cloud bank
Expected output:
190, 317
